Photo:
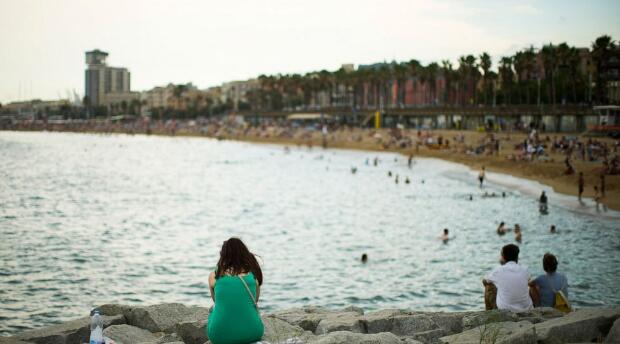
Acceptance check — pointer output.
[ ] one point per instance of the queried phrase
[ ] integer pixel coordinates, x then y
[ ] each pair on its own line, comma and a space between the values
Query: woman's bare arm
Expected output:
257, 291
212, 285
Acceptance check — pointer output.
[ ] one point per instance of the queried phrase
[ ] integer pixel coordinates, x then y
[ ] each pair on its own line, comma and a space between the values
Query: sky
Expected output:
42, 42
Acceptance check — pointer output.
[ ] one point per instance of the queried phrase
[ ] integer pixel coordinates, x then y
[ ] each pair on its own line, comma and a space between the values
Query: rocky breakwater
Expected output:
177, 323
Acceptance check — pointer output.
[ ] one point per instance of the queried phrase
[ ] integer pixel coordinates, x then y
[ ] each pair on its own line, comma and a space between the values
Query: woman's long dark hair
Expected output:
235, 258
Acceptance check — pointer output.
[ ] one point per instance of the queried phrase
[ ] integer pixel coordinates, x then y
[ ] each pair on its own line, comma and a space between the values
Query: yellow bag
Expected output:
561, 302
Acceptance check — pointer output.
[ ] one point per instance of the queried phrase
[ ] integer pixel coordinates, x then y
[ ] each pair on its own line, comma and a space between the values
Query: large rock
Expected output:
169, 338
192, 332
408, 340
510, 332
538, 315
127, 334
408, 325
71, 332
279, 331
450, 323
476, 319
584, 325
114, 309
342, 337
345, 321
307, 318
380, 321
164, 317
614, 334
430, 336
12, 340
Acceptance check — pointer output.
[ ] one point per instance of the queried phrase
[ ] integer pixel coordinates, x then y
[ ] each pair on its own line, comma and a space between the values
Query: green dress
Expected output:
234, 319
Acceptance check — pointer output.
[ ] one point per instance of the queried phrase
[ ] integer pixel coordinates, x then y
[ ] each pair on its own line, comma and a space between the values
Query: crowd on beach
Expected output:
600, 155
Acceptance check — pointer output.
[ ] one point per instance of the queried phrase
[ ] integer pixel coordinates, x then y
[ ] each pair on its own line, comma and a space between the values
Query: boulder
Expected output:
12, 340
354, 309
509, 332
342, 337
450, 323
430, 336
279, 331
614, 334
127, 334
192, 332
345, 321
307, 317
114, 309
71, 332
170, 338
408, 340
408, 325
380, 321
583, 325
476, 319
164, 317
538, 315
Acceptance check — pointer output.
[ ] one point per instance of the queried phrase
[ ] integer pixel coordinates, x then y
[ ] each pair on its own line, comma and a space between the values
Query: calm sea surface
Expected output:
91, 219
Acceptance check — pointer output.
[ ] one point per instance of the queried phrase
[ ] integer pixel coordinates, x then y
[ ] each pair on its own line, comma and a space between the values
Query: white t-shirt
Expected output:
512, 289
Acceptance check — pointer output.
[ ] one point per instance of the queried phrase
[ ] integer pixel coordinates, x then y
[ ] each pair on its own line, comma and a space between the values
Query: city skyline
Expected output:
160, 43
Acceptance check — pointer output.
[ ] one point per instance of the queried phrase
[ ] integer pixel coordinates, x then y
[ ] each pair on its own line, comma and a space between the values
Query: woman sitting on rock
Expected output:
235, 289
545, 286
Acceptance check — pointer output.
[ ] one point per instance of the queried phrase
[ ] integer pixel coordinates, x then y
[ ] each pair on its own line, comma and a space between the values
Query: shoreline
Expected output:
548, 174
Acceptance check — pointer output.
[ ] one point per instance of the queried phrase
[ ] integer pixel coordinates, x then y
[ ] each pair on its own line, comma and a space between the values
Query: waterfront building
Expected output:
237, 91
105, 85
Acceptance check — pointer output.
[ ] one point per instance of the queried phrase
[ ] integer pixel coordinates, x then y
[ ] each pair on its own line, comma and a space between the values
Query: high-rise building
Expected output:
102, 81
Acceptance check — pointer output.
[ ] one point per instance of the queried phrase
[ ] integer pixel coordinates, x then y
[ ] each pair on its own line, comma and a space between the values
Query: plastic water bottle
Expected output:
96, 329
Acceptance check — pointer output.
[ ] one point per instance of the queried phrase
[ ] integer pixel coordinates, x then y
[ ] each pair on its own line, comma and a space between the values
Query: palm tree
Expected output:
600, 52
431, 73
400, 73
550, 61
446, 68
485, 64
573, 61
506, 75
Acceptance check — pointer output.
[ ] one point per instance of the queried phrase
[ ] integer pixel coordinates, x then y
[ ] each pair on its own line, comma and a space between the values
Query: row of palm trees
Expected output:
554, 74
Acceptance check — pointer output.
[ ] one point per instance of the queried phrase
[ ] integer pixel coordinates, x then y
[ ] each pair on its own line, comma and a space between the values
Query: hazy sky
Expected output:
42, 42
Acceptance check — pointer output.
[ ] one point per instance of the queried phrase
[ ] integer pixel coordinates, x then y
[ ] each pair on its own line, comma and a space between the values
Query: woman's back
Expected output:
549, 284
234, 319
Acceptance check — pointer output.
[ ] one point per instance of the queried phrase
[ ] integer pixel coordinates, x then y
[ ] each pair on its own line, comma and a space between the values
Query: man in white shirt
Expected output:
511, 281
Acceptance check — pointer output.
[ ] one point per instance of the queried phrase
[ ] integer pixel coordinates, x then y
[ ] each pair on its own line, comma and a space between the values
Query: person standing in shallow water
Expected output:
580, 183
235, 289
481, 176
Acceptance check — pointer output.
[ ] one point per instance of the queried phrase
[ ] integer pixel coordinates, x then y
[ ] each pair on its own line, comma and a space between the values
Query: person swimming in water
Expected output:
445, 236
364, 258
389, 173
396, 179
501, 229
518, 235
407, 181
552, 229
